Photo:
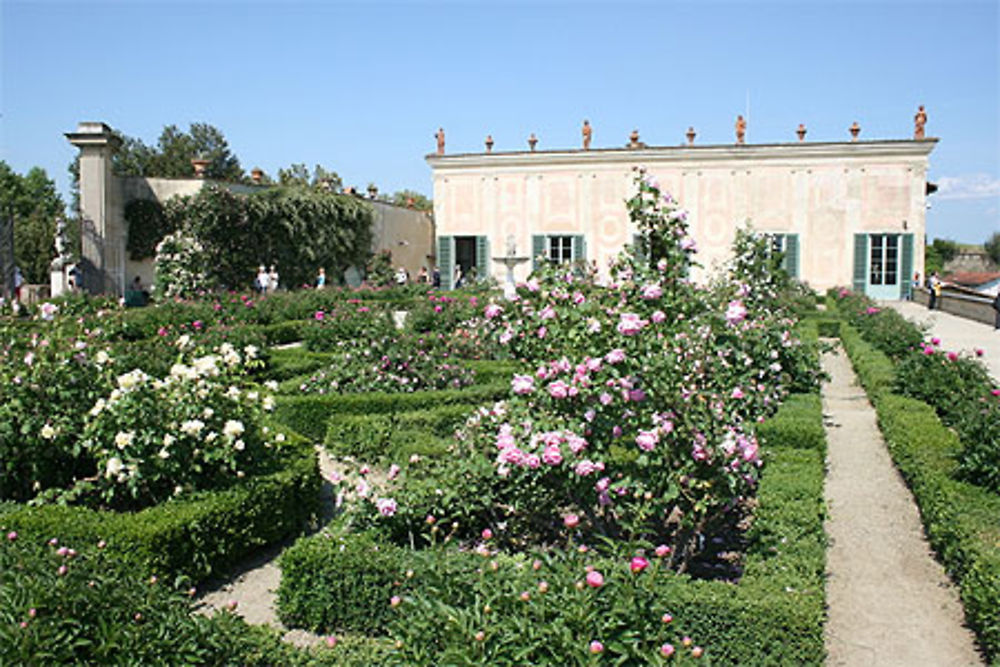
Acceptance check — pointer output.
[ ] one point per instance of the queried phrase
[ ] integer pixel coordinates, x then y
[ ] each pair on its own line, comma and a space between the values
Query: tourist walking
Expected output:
321, 278
436, 278
272, 279
457, 278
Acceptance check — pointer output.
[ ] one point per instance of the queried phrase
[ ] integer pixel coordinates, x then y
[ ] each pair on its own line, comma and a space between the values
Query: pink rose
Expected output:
595, 579
647, 440
522, 384
319, 315
552, 456
596, 647
736, 312
558, 389
638, 564
663, 551
651, 291
630, 324
571, 521
492, 310
615, 356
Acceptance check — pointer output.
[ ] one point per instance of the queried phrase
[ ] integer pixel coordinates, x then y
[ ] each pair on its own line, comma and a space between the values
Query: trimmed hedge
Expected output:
308, 415
960, 518
194, 536
371, 437
774, 616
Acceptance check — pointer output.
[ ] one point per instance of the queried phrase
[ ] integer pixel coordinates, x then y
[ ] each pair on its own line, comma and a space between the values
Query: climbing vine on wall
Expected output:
296, 229
147, 225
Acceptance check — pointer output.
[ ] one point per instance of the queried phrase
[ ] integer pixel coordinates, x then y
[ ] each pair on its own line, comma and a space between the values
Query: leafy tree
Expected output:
939, 253
992, 247
35, 204
297, 175
412, 198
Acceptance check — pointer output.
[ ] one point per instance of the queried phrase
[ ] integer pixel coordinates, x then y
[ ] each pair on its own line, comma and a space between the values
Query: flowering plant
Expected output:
180, 262
197, 428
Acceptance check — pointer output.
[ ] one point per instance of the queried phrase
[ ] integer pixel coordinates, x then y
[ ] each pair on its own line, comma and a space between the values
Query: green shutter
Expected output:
579, 248
640, 252
860, 262
482, 257
444, 260
906, 277
792, 255
537, 249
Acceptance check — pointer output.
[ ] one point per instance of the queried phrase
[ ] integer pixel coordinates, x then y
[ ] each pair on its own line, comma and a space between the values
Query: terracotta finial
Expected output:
439, 135
690, 136
489, 143
633, 139
855, 130
532, 141
918, 123
200, 164
741, 130
801, 132
587, 133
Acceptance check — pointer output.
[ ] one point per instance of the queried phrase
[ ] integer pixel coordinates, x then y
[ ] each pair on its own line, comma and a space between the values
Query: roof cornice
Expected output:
899, 148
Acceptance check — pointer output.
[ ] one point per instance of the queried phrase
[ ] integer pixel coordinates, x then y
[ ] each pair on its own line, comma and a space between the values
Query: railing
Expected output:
958, 301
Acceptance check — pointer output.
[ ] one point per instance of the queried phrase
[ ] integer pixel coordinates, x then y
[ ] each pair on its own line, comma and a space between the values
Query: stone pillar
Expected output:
102, 256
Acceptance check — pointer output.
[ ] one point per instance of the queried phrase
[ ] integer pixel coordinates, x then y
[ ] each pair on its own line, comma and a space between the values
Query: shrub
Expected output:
335, 583
194, 535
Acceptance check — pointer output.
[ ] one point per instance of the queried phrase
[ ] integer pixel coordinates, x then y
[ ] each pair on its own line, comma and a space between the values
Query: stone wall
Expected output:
979, 309
407, 233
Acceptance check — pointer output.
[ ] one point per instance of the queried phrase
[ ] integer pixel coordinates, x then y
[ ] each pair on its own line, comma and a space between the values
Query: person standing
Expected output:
457, 281
321, 278
436, 278
996, 309
935, 290
272, 279
18, 283
262, 280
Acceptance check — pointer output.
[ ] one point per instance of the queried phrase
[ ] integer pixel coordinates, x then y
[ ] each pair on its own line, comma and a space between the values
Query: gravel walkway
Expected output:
254, 587
889, 601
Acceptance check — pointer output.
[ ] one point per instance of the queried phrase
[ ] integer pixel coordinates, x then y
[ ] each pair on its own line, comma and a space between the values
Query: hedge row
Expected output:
960, 518
775, 615
308, 415
372, 437
193, 536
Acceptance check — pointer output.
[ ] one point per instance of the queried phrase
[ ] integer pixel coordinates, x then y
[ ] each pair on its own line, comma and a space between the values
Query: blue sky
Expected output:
361, 87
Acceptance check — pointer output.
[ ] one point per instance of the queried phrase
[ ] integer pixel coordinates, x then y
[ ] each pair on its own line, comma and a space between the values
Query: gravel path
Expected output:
254, 586
889, 601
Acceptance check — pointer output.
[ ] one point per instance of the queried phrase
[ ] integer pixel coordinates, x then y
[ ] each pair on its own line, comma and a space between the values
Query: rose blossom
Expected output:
595, 579
651, 291
615, 356
736, 312
386, 506
630, 324
558, 389
638, 564
492, 310
522, 384
596, 647
647, 440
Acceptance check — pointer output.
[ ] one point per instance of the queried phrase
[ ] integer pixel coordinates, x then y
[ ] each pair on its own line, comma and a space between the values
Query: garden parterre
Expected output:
612, 442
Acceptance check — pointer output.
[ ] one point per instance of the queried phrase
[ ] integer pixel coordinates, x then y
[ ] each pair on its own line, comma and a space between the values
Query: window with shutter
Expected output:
444, 260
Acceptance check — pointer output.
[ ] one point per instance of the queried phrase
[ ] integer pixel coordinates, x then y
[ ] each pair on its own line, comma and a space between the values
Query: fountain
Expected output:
510, 260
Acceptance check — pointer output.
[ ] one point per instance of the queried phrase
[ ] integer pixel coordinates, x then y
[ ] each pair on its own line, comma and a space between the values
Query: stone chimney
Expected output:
855, 130
257, 175
801, 132
200, 164
372, 191
690, 136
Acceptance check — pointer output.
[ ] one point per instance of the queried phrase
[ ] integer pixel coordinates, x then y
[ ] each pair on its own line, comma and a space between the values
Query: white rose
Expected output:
124, 438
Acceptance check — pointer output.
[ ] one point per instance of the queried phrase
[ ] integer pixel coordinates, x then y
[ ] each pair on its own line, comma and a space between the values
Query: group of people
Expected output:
266, 280
403, 277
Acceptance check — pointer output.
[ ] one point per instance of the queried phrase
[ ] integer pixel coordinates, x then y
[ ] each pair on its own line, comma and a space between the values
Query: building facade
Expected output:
845, 213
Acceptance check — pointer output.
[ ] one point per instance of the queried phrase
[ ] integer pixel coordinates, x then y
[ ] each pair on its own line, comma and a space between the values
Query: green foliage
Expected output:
774, 615
295, 229
297, 175
147, 225
338, 582
939, 253
379, 271
411, 199
396, 436
195, 535
992, 247
171, 157
308, 414
964, 396
884, 328
35, 204
349, 326
100, 612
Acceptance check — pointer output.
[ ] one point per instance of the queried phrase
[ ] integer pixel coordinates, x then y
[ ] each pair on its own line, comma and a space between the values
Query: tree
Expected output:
35, 204
992, 247
297, 175
412, 198
939, 253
